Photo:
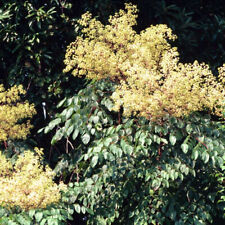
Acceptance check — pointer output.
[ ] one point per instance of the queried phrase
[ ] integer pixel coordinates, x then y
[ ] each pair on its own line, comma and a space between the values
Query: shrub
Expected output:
140, 150
132, 170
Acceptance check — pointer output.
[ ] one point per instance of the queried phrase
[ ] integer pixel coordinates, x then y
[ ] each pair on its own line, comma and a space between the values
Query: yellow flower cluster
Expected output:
151, 82
12, 111
27, 184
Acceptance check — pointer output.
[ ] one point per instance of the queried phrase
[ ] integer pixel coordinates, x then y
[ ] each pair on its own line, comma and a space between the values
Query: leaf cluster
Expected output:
132, 170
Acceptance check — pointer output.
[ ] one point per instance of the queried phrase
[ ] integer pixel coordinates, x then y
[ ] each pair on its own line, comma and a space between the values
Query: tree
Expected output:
143, 148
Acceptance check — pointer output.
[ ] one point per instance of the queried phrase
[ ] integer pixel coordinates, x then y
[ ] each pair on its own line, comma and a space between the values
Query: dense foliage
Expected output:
143, 140
131, 170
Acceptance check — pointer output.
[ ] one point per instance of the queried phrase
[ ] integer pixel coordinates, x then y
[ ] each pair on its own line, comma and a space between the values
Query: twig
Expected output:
70, 143
201, 143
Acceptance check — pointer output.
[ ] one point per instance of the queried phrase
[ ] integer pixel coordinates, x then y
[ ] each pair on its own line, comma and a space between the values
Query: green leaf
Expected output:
164, 140
192, 171
108, 104
205, 157
119, 153
182, 168
129, 149
123, 144
90, 211
147, 176
180, 124
38, 216
184, 148
54, 122
61, 103
43, 222
69, 101
58, 135
156, 139
75, 100
75, 134
94, 161
68, 123
172, 174
181, 176
41, 130
69, 130
93, 131
213, 160
95, 119
107, 142
83, 209
110, 131
31, 213
77, 208
189, 128
186, 170
69, 113
52, 221
172, 139
220, 161
85, 138
47, 129
22, 220
194, 155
